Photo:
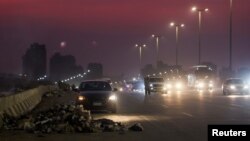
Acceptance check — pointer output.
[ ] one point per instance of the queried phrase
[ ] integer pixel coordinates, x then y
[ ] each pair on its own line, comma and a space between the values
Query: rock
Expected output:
49, 130
105, 121
39, 134
29, 126
79, 129
136, 127
71, 108
48, 95
69, 128
60, 128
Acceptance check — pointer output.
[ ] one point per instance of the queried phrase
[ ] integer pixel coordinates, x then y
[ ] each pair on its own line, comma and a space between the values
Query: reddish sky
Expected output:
116, 25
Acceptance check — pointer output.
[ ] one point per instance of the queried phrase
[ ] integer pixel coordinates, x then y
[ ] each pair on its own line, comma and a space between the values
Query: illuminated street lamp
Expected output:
177, 27
140, 46
200, 11
157, 38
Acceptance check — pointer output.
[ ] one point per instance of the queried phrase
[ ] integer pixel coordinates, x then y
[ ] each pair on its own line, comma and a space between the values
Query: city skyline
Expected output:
106, 32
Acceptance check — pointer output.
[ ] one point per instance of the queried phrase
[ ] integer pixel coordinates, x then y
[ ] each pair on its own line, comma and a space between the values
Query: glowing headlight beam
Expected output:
178, 85
232, 87
81, 98
200, 85
113, 98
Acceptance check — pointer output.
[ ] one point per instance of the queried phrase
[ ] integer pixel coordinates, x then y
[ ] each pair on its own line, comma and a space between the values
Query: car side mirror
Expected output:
115, 89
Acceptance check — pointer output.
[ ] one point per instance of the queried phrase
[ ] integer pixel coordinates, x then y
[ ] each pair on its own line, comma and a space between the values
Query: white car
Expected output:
235, 86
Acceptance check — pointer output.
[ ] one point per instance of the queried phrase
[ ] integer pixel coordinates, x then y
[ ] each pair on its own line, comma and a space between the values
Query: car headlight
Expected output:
211, 85
178, 85
164, 88
168, 86
232, 87
81, 98
200, 85
113, 98
121, 89
246, 87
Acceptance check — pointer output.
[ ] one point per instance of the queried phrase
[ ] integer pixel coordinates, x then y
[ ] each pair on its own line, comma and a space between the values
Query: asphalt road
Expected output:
176, 117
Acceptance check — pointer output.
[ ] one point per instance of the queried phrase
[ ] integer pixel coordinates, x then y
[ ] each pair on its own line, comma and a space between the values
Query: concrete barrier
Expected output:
21, 103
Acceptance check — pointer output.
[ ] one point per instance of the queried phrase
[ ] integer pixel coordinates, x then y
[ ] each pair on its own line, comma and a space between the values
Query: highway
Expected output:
180, 116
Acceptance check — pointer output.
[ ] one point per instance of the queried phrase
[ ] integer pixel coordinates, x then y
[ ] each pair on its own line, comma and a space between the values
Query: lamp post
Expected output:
200, 11
157, 38
230, 35
177, 27
140, 46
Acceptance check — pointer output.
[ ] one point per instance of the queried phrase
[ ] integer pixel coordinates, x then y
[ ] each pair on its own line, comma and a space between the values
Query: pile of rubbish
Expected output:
64, 119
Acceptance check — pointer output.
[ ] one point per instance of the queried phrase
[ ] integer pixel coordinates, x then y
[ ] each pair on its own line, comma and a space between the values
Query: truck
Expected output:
202, 78
154, 84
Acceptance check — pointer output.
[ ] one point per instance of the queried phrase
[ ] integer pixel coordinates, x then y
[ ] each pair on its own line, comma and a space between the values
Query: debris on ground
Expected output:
52, 93
64, 118
136, 127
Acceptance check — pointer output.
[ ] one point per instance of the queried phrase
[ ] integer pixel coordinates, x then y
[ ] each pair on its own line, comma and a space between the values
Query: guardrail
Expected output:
21, 103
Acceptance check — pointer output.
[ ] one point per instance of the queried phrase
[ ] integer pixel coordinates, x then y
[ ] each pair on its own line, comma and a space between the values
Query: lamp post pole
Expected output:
200, 11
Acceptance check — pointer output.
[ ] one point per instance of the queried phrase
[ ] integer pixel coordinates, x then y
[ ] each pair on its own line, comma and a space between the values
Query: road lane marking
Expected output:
236, 105
187, 114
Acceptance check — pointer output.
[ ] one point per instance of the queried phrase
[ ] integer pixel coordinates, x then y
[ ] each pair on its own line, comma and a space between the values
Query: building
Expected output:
62, 67
34, 61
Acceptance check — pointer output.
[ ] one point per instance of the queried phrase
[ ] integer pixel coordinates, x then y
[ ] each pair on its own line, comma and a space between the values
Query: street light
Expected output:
230, 35
140, 46
200, 11
156, 37
177, 27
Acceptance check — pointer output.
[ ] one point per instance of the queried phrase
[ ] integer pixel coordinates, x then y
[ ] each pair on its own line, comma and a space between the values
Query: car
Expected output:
137, 86
235, 86
154, 84
97, 95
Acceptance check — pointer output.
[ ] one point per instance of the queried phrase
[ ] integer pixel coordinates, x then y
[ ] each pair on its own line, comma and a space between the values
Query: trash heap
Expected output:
64, 119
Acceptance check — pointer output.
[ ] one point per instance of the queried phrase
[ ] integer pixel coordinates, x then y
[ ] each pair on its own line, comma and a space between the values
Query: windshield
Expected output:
95, 86
234, 81
203, 72
156, 80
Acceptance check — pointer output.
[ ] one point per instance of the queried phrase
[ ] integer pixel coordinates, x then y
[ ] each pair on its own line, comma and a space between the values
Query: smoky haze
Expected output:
106, 31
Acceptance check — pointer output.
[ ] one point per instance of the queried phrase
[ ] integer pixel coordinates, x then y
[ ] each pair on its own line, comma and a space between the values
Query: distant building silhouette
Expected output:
34, 61
96, 70
161, 67
62, 67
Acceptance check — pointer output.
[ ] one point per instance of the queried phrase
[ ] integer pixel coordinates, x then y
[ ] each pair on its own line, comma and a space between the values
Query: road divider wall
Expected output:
21, 103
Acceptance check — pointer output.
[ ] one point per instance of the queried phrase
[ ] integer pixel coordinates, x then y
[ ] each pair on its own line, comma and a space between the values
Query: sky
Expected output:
106, 31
